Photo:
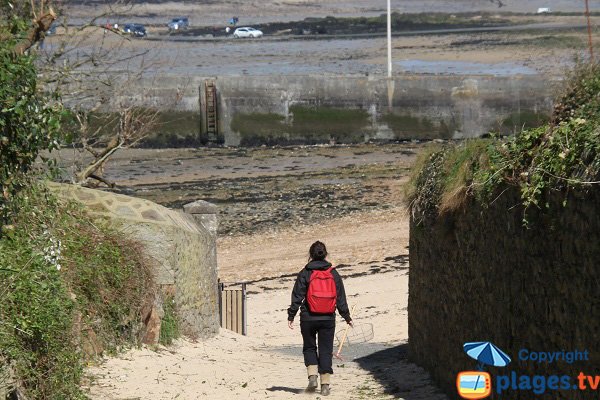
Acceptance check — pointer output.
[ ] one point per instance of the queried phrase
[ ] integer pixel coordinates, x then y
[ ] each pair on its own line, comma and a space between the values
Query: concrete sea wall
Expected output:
308, 109
256, 110
479, 275
180, 245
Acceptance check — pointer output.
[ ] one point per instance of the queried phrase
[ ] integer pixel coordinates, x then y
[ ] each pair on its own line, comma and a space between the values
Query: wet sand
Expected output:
541, 52
265, 189
212, 12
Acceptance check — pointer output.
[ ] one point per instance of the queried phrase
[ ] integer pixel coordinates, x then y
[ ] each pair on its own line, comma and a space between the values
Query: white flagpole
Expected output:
389, 37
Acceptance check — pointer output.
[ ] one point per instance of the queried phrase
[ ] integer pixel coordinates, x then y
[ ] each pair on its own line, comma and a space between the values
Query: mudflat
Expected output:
548, 48
265, 189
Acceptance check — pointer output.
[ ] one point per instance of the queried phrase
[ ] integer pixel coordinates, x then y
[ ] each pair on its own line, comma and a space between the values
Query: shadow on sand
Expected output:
399, 377
285, 389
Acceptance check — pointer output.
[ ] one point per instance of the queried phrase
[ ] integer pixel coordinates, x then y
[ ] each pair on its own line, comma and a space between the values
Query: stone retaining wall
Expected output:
181, 247
479, 275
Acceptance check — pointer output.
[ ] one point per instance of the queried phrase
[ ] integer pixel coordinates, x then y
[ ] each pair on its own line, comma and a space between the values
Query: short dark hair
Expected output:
318, 251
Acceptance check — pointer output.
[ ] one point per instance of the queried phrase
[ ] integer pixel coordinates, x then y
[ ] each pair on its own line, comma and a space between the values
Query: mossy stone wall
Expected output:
479, 275
182, 250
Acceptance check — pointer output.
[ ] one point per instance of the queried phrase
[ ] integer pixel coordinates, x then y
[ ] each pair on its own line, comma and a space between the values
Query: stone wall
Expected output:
479, 275
350, 109
182, 247
305, 109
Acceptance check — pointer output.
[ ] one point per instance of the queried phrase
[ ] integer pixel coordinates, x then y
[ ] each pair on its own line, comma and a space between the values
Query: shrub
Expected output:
64, 276
29, 123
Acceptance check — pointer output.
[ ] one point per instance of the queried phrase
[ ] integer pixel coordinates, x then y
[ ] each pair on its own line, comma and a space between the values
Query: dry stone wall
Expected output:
479, 275
182, 250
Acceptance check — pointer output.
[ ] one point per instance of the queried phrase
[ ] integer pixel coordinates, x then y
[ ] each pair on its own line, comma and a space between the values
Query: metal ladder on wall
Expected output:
212, 120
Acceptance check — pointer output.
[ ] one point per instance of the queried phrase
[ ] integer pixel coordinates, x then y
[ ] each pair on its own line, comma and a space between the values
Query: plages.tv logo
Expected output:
478, 384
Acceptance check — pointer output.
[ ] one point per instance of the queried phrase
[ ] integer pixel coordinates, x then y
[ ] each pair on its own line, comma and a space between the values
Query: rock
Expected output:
200, 207
152, 322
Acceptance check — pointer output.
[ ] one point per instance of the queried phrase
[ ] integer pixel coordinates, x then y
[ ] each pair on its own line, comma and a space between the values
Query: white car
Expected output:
247, 32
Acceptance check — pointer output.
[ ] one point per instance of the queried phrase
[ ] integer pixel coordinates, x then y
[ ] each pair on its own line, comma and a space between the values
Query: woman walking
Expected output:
318, 291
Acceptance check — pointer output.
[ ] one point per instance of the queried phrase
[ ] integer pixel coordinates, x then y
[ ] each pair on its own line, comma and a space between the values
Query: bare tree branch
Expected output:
107, 182
36, 32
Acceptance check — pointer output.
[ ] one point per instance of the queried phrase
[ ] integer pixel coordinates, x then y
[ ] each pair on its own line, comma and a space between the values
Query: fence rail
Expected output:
232, 307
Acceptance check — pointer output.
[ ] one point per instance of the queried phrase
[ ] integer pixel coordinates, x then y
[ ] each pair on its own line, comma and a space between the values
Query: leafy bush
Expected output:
65, 280
581, 97
29, 123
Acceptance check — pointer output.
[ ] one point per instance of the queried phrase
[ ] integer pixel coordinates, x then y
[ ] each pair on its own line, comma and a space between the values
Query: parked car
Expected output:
178, 23
247, 32
543, 10
137, 30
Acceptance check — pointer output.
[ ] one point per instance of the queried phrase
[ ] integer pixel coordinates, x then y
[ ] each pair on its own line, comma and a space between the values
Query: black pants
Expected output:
325, 330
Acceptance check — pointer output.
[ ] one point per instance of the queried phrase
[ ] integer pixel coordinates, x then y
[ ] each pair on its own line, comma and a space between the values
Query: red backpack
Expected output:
322, 292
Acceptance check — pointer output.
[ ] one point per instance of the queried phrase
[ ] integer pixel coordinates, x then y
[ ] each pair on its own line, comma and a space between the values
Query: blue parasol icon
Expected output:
486, 353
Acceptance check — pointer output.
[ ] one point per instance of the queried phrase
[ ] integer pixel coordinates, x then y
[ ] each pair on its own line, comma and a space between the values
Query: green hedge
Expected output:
66, 281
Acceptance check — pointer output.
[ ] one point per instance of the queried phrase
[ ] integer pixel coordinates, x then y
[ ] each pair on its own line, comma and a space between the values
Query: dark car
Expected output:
137, 30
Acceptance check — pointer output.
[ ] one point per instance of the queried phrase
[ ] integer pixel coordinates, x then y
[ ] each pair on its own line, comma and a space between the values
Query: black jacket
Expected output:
301, 287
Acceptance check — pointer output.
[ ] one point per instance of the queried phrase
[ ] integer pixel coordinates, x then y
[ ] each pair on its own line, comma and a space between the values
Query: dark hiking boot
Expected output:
312, 383
325, 389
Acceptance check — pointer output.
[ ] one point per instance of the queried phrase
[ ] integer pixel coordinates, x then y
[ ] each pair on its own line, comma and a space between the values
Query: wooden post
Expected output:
220, 300
244, 311
229, 316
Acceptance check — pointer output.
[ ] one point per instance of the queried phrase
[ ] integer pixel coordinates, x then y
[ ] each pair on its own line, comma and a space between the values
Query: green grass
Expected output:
169, 327
65, 281
403, 21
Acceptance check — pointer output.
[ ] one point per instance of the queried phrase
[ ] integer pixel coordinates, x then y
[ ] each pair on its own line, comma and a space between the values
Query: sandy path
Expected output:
371, 248
268, 362
354, 239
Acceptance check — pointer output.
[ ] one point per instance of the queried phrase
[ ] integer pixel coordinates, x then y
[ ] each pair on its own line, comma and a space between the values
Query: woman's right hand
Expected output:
291, 324
350, 323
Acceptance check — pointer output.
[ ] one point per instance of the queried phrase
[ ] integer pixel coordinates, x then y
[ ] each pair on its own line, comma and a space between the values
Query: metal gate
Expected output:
232, 307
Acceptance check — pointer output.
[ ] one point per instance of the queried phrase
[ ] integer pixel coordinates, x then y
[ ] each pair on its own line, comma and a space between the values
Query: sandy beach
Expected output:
371, 252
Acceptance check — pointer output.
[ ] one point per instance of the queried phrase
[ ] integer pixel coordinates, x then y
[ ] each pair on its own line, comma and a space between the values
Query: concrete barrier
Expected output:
349, 109
309, 109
